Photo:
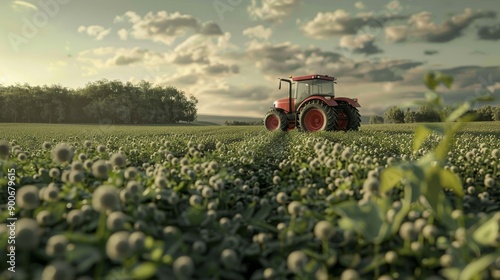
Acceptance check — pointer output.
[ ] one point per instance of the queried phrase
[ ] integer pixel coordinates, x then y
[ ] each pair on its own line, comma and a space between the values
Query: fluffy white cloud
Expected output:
123, 34
290, 59
258, 32
110, 56
359, 44
166, 28
197, 64
396, 33
422, 27
203, 50
340, 22
272, 10
359, 5
96, 31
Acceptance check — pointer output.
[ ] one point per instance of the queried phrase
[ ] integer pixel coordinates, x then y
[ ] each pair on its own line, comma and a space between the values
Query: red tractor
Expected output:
312, 106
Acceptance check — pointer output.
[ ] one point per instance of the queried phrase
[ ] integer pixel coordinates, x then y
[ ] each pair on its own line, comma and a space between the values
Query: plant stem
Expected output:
101, 227
376, 249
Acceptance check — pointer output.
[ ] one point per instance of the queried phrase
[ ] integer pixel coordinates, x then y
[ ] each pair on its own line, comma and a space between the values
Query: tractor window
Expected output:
303, 90
322, 87
312, 87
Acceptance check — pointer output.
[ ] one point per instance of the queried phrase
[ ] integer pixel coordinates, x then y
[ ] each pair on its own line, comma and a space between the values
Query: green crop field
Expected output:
219, 202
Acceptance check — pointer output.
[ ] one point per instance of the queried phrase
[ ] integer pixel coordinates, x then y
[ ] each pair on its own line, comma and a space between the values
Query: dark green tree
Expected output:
484, 114
496, 113
102, 101
394, 115
376, 119
410, 116
427, 114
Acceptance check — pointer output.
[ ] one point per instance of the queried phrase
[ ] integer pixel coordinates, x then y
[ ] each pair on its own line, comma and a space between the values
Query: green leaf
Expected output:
84, 257
311, 265
430, 80
262, 225
81, 238
349, 259
432, 187
144, 270
444, 146
156, 254
423, 131
486, 97
421, 134
445, 79
477, 266
451, 273
390, 177
193, 216
450, 180
181, 186
409, 196
149, 242
366, 219
432, 190
247, 214
263, 212
432, 97
460, 111
117, 273
301, 226
375, 261
487, 233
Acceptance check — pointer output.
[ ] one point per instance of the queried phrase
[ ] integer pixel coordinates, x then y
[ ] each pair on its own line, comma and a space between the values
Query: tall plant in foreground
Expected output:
427, 180
471, 244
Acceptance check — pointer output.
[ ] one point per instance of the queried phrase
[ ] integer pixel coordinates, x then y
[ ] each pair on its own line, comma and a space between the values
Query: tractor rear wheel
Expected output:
348, 118
317, 116
276, 120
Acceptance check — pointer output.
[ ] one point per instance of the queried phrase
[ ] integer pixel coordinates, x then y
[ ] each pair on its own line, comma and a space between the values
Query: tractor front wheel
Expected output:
276, 120
317, 116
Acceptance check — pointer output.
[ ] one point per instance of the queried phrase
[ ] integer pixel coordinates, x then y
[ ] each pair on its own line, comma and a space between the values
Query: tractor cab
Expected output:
306, 86
311, 105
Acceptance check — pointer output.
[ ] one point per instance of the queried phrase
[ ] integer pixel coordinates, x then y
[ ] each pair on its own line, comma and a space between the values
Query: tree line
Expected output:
243, 123
102, 101
426, 114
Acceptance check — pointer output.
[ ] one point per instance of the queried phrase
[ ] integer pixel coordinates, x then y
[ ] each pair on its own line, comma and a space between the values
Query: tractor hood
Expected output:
283, 104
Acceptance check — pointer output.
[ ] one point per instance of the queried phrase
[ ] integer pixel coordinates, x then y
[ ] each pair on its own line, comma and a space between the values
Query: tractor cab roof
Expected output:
314, 77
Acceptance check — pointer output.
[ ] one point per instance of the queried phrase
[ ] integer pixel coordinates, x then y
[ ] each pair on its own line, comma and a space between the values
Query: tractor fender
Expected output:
330, 102
352, 102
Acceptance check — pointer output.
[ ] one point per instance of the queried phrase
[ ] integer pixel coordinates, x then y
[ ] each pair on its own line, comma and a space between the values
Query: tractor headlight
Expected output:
275, 103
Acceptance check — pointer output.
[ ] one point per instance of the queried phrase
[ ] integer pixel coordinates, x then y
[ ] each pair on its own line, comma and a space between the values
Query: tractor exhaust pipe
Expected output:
289, 92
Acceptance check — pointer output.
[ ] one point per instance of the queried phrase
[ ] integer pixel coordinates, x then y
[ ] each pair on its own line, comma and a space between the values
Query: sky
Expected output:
229, 53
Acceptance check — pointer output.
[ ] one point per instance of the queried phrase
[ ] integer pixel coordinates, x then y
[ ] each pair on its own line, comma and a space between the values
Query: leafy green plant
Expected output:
426, 180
